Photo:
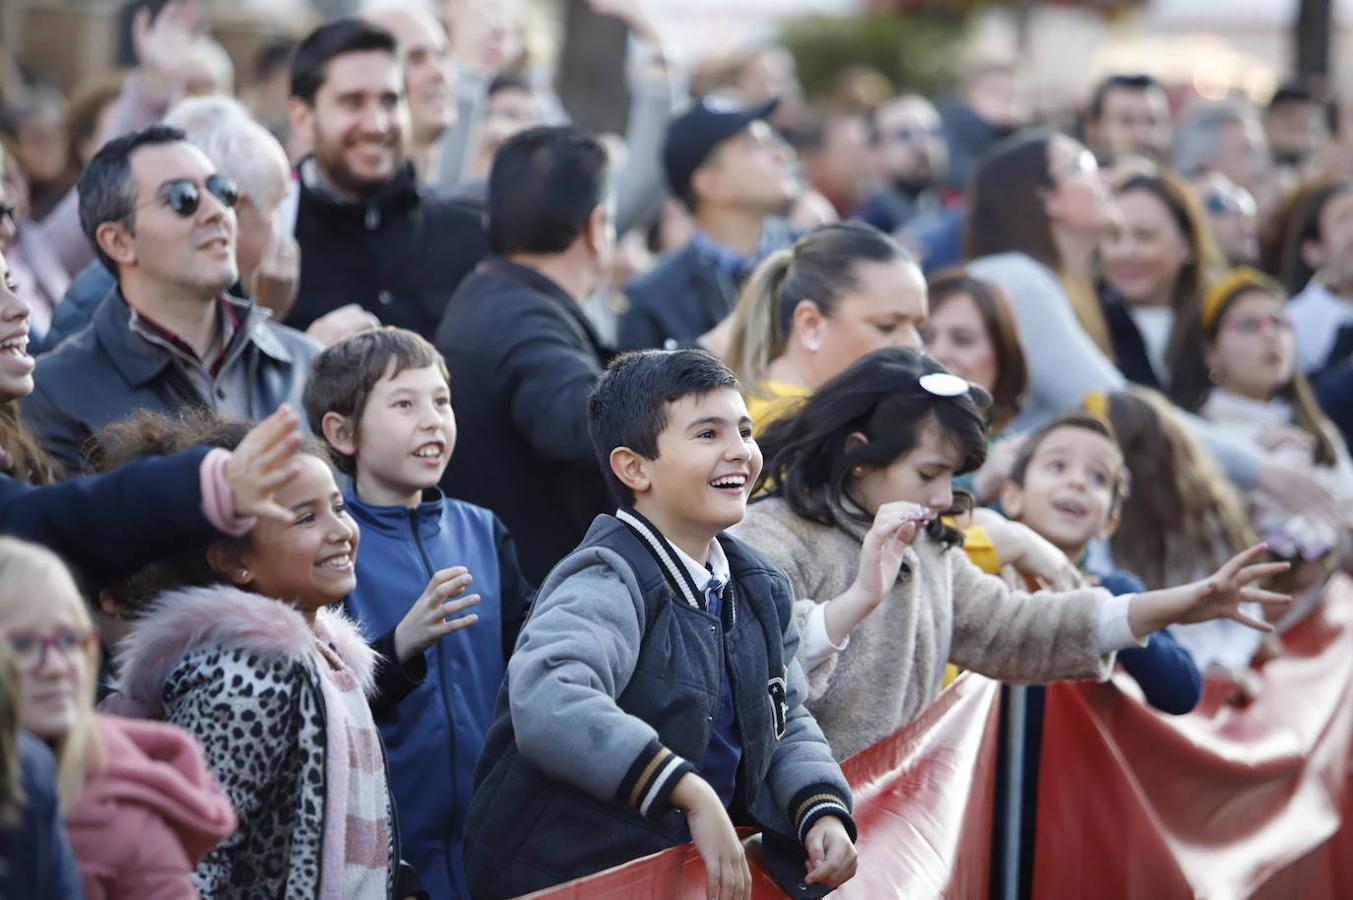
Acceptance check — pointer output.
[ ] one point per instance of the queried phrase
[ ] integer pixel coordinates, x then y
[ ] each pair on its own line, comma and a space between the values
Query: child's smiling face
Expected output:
1069, 487
308, 563
406, 436
707, 463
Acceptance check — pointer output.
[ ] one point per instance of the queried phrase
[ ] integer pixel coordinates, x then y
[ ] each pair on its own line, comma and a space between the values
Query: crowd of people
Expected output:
406, 493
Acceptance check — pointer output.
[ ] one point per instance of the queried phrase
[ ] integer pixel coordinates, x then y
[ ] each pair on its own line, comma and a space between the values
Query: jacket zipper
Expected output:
446, 708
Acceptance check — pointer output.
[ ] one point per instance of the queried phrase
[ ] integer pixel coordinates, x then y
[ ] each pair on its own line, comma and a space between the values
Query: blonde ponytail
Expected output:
758, 336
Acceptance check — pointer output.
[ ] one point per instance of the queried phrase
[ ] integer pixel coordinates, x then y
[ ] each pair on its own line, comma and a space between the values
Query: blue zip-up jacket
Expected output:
434, 735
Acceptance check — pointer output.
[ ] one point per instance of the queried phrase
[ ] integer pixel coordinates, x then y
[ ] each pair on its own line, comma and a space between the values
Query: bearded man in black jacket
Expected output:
369, 234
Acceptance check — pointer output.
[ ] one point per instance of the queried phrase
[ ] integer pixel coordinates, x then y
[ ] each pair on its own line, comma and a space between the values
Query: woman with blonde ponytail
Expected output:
842, 291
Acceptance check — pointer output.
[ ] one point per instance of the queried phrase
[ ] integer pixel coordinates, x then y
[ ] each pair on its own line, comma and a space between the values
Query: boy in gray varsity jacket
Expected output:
653, 697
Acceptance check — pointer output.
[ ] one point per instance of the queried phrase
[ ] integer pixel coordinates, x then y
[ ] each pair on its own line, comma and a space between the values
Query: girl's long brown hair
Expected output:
1181, 506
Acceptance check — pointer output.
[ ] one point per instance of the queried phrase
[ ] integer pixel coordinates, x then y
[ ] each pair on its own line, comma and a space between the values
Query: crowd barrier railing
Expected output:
923, 801
1223, 803
1227, 802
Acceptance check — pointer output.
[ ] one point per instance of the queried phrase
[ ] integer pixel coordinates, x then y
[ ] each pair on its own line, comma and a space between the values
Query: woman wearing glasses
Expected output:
140, 808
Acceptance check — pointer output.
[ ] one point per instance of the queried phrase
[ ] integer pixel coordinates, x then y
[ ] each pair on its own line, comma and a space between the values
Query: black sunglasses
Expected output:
184, 196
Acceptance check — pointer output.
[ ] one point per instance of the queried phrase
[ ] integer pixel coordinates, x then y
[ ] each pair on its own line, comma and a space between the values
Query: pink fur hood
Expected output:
178, 622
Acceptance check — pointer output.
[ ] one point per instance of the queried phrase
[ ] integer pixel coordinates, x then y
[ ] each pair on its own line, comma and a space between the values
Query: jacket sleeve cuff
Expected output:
218, 500
648, 784
816, 801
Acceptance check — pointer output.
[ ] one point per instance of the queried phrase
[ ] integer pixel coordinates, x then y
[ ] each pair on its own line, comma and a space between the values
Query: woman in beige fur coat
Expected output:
861, 474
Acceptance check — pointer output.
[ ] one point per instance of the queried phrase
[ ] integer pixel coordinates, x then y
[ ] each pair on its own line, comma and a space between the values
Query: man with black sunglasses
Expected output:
369, 234
168, 335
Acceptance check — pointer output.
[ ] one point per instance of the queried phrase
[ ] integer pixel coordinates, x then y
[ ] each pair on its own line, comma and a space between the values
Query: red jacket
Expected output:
140, 827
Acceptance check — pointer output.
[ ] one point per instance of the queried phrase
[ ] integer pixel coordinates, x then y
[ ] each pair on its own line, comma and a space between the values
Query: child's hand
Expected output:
264, 461
726, 874
1033, 555
895, 526
429, 619
1217, 597
831, 853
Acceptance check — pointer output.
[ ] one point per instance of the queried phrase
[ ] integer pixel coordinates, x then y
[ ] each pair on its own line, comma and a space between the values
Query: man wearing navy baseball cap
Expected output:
735, 175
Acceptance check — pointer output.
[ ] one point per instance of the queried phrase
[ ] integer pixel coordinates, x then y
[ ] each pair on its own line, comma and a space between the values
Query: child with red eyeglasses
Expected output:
139, 805
1255, 391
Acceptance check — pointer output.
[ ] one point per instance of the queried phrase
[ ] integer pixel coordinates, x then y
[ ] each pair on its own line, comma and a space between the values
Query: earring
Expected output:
814, 345
857, 472
244, 574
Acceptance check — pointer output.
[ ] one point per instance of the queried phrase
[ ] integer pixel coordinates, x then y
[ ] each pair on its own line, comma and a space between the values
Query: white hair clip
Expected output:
942, 384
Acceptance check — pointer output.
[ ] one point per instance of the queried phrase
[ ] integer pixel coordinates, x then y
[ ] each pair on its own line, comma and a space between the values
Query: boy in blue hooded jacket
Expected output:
382, 401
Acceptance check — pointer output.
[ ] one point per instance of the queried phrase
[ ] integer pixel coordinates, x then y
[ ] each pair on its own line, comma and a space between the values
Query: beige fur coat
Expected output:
942, 608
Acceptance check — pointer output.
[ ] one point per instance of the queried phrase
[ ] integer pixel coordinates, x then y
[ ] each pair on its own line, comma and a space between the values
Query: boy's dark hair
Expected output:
310, 63
629, 405
1118, 83
879, 396
341, 378
106, 189
1086, 422
544, 186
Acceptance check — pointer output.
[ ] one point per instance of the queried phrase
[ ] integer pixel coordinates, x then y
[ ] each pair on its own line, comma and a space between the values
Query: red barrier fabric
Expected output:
923, 802
1223, 803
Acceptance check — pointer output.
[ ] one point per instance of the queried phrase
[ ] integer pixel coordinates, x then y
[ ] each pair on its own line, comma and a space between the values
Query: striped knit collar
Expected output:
678, 576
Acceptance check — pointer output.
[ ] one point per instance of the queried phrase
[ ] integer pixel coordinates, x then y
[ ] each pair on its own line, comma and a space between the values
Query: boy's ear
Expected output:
227, 560
631, 468
1012, 500
339, 433
1122, 491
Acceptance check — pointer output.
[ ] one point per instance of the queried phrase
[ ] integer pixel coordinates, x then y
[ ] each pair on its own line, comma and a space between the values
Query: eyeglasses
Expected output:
30, 648
1257, 324
184, 196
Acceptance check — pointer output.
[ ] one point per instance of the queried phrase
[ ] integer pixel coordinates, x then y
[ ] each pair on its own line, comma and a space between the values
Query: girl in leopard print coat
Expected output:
261, 667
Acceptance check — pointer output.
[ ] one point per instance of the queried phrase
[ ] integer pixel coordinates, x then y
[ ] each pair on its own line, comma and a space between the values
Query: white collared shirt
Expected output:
704, 573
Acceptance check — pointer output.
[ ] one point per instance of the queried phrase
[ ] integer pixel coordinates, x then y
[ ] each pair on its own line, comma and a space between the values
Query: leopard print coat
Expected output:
240, 672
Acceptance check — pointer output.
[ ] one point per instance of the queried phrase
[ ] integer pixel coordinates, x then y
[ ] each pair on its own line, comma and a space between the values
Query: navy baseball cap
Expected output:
693, 135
